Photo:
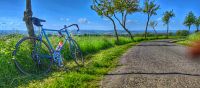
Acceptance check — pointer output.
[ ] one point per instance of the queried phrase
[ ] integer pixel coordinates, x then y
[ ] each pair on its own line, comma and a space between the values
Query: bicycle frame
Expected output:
56, 54
44, 34
57, 57
43, 52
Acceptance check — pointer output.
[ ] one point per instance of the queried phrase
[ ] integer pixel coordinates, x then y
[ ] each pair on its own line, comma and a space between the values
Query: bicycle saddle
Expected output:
37, 21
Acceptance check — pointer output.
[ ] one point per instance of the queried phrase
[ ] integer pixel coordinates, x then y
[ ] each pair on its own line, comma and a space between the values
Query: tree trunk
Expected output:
28, 19
167, 30
115, 28
197, 29
155, 33
147, 24
124, 26
128, 32
189, 29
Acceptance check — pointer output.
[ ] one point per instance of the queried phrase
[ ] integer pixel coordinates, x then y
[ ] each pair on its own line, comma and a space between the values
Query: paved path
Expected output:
155, 64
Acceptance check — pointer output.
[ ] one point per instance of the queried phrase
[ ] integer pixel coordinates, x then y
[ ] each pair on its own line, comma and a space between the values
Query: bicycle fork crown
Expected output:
58, 58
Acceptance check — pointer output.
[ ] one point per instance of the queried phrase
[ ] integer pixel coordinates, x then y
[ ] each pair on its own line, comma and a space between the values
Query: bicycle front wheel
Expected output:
32, 56
76, 53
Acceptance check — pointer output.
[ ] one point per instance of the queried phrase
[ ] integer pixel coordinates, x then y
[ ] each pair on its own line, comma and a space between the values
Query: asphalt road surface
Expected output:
155, 64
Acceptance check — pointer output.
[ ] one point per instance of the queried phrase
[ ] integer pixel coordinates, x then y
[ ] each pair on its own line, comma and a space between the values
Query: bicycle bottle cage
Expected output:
37, 21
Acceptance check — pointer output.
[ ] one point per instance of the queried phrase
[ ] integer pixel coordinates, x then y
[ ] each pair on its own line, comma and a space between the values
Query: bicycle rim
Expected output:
32, 57
76, 53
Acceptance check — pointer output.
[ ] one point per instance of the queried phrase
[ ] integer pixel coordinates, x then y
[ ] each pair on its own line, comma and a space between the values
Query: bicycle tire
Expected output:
20, 62
74, 50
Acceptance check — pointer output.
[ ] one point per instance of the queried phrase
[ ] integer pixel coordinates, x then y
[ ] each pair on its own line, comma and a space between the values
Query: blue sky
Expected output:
60, 12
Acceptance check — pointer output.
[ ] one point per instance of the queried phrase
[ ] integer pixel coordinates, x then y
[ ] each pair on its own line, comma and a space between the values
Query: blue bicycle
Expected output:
34, 55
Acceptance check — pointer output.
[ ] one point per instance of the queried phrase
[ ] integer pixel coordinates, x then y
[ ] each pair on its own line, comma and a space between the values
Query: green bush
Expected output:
182, 33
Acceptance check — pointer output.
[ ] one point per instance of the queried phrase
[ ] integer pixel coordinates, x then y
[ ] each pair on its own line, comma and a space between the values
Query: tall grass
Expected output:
9, 75
191, 38
87, 77
92, 44
194, 37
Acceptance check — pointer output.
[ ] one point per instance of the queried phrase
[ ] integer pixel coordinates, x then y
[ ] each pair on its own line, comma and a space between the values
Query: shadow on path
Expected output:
155, 45
143, 73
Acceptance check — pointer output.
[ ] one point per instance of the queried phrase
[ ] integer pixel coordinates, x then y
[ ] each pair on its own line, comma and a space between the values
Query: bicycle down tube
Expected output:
48, 41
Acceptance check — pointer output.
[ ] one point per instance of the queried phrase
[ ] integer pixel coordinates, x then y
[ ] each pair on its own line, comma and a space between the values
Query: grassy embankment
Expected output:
10, 77
191, 38
101, 53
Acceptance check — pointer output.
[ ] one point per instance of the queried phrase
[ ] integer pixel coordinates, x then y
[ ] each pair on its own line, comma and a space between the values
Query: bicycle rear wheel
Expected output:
32, 56
76, 53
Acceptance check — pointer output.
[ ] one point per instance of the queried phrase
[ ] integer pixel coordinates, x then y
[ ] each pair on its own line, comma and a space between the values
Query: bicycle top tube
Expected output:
53, 30
43, 33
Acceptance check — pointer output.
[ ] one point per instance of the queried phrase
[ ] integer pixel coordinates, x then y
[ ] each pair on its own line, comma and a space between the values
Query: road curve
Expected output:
154, 64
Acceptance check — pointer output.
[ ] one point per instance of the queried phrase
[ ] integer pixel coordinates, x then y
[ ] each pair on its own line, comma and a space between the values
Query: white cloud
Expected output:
64, 19
159, 19
105, 19
55, 25
83, 21
131, 21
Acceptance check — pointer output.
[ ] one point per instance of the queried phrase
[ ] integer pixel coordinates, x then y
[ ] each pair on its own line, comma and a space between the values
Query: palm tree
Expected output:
150, 9
189, 20
153, 24
197, 23
166, 19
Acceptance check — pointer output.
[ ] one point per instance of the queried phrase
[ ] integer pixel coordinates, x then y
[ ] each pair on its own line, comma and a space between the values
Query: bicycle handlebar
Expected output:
73, 25
65, 27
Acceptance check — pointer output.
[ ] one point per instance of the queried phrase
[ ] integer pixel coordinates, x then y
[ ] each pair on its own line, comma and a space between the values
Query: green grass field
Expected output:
101, 53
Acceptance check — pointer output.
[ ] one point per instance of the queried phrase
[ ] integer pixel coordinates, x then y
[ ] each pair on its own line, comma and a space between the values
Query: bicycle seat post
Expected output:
39, 30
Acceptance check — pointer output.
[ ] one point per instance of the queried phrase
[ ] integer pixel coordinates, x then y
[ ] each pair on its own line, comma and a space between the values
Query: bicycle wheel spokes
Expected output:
76, 53
32, 56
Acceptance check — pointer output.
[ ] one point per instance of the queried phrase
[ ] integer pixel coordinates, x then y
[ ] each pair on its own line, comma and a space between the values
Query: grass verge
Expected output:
89, 76
10, 76
191, 38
